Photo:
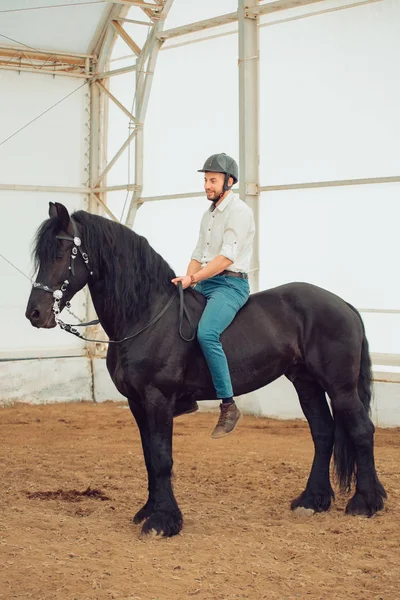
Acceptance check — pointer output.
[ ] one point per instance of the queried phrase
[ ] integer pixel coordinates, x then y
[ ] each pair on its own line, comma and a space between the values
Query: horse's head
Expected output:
62, 267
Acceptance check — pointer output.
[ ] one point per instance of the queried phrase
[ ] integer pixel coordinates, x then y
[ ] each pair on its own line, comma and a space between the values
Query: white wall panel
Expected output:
172, 228
342, 239
193, 112
330, 96
49, 152
24, 212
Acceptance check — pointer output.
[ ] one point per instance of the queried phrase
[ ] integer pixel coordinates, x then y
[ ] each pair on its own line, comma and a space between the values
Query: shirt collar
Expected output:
225, 202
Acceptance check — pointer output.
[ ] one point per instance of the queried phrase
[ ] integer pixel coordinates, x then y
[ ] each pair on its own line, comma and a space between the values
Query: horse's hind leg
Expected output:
318, 493
354, 453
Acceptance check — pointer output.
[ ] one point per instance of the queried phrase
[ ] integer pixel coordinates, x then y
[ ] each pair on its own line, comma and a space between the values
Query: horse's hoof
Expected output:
365, 505
311, 501
142, 514
301, 512
154, 534
163, 524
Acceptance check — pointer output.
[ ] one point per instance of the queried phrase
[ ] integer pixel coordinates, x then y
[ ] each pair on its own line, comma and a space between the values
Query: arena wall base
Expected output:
44, 381
74, 379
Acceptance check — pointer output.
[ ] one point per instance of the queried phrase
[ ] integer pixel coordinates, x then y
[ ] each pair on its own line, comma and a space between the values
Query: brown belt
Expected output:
232, 274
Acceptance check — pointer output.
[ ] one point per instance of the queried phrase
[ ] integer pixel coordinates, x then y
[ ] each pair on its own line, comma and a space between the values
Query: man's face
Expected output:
213, 185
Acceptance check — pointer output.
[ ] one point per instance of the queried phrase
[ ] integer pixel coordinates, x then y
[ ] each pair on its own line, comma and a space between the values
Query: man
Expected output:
218, 268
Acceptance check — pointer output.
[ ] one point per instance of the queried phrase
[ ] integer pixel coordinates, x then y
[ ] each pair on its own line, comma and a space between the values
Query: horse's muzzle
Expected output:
40, 318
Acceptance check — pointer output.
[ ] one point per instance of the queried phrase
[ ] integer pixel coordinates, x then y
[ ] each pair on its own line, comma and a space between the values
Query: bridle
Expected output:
58, 294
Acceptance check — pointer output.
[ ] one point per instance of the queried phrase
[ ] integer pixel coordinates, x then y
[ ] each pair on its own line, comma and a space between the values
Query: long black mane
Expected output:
132, 272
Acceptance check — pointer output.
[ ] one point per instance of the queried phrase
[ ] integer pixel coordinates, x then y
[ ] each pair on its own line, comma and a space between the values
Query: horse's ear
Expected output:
58, 210
52, 210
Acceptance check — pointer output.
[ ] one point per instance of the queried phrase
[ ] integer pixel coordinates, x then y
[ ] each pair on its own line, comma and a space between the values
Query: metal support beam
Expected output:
173, 197
144, 80
96, 140
134, 21
114, 188
120, 152
75, 60
126, 37
253, 9
106, 39
116, 101
106, 74
389, 360
199, 26
96, 198
54, 189
54, 63
143, 86
332, 183
284, 187
138, 3
204, 25
10, 66
249, 121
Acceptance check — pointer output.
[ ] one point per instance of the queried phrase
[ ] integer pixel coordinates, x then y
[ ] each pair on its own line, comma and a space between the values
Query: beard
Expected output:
215, 197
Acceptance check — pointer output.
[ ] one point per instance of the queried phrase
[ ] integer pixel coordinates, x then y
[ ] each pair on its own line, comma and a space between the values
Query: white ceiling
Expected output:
59, 25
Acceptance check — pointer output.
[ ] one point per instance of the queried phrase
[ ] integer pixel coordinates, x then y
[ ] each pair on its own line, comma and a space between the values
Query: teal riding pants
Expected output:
225, 297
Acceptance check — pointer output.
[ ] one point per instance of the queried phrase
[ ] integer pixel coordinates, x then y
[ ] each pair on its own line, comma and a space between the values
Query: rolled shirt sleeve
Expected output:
198, 251
235, 234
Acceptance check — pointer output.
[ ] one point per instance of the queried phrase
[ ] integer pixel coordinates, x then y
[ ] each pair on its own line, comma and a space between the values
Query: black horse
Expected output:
308, 334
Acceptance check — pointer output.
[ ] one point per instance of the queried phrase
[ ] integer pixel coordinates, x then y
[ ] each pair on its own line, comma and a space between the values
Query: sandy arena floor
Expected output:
240, 540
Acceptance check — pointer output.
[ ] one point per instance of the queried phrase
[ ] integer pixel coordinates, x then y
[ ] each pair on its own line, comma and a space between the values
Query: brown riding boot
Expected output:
228, 419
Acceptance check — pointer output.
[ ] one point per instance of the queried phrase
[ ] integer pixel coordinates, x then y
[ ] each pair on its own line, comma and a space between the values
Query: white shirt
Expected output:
227, 230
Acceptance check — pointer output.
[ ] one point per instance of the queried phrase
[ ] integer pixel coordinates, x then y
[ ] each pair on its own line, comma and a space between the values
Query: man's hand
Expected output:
186, 281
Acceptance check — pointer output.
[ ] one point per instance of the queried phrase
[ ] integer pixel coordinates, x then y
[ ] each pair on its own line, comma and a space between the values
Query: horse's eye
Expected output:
60, 256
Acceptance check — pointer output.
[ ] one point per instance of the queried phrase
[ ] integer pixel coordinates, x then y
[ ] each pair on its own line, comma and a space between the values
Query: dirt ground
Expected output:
240, 540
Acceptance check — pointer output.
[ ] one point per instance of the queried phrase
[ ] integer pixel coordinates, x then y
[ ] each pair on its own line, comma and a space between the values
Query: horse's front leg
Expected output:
139, 413
154, 418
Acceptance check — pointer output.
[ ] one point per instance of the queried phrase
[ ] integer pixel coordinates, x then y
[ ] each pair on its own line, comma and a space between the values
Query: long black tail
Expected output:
344, 454
365, 377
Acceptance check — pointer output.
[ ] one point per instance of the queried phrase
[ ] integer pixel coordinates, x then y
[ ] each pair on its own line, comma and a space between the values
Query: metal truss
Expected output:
54, 63
95, 68
143, 63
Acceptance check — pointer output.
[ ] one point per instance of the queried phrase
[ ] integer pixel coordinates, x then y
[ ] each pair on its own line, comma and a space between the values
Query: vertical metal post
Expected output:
139, 139
144, 80
95, 140
96, 144
249, 121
